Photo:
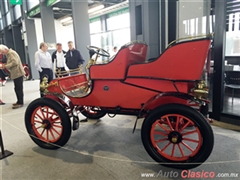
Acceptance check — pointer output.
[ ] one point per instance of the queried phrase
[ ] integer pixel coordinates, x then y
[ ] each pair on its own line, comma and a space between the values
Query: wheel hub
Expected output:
175, 137
46, 124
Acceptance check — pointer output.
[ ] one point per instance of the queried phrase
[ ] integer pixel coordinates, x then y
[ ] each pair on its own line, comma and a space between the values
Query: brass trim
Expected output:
191, 38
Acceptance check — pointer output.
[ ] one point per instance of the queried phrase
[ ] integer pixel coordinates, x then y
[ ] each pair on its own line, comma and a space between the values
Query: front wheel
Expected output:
92, 112
47, 123
175, 144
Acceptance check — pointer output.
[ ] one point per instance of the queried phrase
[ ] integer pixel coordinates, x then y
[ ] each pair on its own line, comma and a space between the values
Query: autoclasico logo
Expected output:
198, 174
185, 174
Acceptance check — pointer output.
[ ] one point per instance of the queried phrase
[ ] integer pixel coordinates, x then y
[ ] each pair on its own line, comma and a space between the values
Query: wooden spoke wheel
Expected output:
47, 123
178, 136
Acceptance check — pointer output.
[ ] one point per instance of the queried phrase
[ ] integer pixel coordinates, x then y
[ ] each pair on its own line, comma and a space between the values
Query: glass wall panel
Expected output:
232, 66
8, 18
95, 25
6, 6
194, 20
117, 33
119, 21
17, 12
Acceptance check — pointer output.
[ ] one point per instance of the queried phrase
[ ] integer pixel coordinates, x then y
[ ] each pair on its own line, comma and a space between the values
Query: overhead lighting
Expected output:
67, 23
66, 19
96, 8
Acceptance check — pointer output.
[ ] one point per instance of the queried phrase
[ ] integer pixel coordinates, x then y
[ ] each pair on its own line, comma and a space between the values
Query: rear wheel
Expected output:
47, 123
175, 144
92, 112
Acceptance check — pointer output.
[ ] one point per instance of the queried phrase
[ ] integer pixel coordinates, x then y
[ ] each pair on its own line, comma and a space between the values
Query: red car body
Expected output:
129, 82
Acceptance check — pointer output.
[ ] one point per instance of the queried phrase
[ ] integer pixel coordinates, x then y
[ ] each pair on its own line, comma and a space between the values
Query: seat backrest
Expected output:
183, 61
232, 77
129, 54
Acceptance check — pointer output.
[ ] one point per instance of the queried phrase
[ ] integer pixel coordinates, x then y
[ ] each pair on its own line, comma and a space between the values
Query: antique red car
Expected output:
25, 68
167, 92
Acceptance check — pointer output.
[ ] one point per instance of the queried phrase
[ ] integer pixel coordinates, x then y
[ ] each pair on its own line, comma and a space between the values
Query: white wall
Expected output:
63, 33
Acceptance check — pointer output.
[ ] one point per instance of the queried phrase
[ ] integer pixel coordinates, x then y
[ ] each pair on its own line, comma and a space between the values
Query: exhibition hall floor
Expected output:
103, 149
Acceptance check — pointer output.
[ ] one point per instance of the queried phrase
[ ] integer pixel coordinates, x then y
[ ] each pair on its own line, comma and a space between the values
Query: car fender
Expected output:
61, 98
173, 97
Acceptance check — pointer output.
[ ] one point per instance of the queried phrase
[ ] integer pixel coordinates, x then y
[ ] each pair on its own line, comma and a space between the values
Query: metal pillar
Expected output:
81, 27
48, 25
30, 39
219, 57
18, 42
8, 38
144, 20
172, 20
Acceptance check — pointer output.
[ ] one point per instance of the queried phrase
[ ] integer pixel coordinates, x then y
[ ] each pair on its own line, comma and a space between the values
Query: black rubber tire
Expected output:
199, 121
98, 115
66, 123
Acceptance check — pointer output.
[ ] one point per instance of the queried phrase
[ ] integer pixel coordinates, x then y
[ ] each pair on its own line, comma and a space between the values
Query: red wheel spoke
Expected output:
173, 150
184, 126
38, 121
39, 127
169, 123
55, 119
47, 136
172, 126
52, 134
57, 126
190, 132
187, 146
52, 113
177, 123
56, 131
182, 153
191, 140
39, 116
47, 112
166, 146
161, 140
162, 127
160, 133
42, 112
43, 131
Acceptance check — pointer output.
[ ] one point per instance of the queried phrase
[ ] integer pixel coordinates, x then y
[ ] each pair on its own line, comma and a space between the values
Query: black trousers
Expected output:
2, 75
18, 87
45, 73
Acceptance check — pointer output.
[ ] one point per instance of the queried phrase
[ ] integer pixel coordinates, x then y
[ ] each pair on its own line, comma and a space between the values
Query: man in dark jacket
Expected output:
74, 59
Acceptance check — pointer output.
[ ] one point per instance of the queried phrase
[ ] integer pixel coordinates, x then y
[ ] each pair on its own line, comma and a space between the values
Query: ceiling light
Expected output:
66, 19
96, 8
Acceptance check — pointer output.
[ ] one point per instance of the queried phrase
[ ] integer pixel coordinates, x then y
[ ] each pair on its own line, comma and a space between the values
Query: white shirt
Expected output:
60, 62
43, 60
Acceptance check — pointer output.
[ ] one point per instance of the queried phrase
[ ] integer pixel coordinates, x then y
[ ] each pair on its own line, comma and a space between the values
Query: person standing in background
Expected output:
15, 68
74, 58
59, 61
43, 63
3, 74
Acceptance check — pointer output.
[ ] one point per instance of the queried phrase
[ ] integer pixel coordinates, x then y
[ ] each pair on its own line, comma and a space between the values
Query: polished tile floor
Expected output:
102, 149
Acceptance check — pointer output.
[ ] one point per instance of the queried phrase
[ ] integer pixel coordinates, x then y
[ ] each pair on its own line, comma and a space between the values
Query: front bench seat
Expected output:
134, 52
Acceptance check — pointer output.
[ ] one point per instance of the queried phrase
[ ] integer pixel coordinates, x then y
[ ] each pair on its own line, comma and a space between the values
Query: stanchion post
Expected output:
4, 153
